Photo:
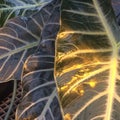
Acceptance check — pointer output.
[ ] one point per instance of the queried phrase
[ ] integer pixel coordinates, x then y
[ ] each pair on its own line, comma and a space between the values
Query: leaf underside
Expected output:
87, 61
40, 101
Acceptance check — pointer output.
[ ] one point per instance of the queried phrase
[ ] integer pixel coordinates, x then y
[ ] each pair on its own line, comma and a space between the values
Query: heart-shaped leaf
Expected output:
87, 61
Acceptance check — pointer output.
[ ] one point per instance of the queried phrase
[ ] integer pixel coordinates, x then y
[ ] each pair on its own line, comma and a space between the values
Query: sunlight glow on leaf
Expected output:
67, 117
87, 66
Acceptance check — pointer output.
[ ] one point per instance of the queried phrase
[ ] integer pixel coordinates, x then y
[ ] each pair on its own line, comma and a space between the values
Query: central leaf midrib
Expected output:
113, 62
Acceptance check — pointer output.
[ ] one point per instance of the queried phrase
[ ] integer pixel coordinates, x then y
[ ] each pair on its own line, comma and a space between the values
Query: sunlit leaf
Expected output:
40, 101
19, 38
87, 61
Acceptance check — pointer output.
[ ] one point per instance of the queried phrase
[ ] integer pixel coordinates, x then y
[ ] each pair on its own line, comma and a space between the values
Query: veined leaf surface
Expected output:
19, 38
13, 8
116, 7
40, 101
87, 61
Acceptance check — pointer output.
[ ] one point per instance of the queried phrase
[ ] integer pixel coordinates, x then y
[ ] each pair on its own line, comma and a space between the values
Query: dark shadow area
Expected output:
5, 89
6, 92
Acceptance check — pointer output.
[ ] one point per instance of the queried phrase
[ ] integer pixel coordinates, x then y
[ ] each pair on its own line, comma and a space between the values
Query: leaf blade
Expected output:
18, 39
85, 91
10, 9
40, 99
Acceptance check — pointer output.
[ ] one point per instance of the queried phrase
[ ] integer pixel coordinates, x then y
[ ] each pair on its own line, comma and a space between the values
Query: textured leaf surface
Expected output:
18, 39
116, 7
87, 61
12, 8
40, 101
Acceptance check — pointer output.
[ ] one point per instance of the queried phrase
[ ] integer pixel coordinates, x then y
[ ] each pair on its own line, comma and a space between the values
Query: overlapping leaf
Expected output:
18, 39
87, 63
40, 100
116, 7
12, 8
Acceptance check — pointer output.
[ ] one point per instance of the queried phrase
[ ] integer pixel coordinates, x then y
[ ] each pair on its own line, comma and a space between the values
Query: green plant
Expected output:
86, 65
30, 37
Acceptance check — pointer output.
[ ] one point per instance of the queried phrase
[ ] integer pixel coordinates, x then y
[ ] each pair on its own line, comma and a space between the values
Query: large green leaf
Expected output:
18, 39
40, 101
87, 61
12, 8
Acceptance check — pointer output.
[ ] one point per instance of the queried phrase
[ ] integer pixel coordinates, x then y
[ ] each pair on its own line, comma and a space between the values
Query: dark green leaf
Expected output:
116, 7
19, 38
12, 8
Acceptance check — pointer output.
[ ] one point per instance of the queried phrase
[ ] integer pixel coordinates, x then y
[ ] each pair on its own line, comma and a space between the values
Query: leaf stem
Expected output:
12, 100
